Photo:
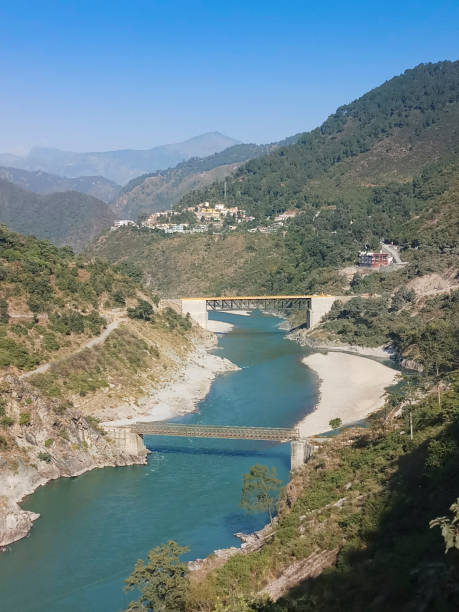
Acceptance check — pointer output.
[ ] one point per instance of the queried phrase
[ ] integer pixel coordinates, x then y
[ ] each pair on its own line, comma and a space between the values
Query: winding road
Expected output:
118, 318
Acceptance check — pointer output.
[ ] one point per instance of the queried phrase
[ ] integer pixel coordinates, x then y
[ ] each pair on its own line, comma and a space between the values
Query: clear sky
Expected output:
93, 75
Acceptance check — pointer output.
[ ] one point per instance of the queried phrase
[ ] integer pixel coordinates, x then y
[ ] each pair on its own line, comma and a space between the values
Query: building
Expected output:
374, 260
286, 216
176, 229
122, 223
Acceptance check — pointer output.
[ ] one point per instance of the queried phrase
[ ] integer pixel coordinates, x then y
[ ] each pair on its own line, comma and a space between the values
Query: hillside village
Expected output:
206, 217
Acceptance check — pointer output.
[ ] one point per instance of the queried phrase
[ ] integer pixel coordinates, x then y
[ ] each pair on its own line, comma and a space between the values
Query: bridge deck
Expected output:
276, 434
258, 297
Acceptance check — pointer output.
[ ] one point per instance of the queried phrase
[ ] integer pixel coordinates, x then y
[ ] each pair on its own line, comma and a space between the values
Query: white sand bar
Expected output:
351, 387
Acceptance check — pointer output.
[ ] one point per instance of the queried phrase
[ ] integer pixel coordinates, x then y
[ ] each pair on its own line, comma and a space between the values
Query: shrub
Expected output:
50, 343
4, 311
143, 311
3, 442
24, 418
46, 457
19, 329
49, 442
335, 423
7, 421
60, 408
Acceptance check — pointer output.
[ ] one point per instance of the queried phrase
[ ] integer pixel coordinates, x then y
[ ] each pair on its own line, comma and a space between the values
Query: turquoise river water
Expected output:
93, 528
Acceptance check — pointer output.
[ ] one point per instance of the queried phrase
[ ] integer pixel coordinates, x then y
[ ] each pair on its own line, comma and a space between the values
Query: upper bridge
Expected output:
274, 434
315, 306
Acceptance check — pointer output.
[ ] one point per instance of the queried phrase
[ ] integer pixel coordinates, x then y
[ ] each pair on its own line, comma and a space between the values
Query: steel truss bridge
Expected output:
274, 434
265, 302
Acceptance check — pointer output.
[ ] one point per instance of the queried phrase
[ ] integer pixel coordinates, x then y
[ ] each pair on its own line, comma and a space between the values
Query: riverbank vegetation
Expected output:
368, 497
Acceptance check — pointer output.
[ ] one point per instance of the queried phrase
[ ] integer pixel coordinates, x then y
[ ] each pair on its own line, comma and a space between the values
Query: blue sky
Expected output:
90, 75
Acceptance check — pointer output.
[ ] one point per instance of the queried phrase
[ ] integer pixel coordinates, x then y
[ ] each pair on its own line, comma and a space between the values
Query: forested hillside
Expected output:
67, 218
53, 303
387, 135
421, 214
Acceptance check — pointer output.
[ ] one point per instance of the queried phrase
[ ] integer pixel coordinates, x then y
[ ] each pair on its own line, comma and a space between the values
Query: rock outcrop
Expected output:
41, 440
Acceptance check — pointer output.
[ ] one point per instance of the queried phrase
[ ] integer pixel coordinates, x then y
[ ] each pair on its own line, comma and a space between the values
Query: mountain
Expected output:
383, 167
121, 165
389, 134
42, 182
163, 189
67, 218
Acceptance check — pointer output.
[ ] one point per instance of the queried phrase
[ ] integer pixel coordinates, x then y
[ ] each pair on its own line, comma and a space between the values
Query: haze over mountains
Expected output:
67, 218
119, 166
44, 183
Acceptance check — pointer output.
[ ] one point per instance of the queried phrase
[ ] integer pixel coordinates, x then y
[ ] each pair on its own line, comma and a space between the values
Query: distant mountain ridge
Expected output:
44, 183
67, 218
121, 165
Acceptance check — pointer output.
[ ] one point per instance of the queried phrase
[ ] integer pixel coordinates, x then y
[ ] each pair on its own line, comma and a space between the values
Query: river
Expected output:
93, 528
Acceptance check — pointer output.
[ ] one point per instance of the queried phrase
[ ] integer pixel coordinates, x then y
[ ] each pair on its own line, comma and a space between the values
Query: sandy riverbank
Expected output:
351, 387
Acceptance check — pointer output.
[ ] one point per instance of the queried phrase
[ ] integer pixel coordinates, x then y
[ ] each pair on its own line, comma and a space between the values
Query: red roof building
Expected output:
374, 260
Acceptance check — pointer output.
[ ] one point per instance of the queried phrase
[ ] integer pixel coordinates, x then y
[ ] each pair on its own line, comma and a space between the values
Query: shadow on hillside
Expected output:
395, 562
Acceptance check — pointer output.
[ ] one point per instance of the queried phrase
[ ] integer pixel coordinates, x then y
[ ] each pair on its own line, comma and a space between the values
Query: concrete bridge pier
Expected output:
197, 309
300, 452
126, 440
319, 306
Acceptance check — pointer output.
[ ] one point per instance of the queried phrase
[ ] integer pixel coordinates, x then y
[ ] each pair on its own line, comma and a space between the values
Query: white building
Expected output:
122, 223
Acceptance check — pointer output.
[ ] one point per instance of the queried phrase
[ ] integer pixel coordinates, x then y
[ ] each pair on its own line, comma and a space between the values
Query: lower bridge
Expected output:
130, 437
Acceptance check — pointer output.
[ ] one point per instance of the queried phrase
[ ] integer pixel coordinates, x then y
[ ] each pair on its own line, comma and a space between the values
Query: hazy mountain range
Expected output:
43, 182
121, 165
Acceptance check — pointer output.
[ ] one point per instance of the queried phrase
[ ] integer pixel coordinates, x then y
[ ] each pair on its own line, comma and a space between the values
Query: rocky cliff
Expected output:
43, 439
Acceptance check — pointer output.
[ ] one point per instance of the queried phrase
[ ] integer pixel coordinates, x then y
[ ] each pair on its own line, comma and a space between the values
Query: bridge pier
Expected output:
126, 440
318, 307
197, 309
300, 452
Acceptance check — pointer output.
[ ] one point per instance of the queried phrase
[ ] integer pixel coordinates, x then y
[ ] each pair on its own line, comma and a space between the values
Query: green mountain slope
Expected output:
42, 182
163, 189
70, 217
421, 215
388, 134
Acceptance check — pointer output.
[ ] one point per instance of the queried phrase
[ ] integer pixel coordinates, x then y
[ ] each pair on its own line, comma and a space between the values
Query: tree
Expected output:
4, 318
260, 488
335, 423
143, 310
162, 581
437, 344
449, 527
